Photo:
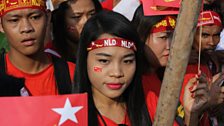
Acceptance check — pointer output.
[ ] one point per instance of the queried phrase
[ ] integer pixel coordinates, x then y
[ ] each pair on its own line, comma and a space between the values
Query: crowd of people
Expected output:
84, 46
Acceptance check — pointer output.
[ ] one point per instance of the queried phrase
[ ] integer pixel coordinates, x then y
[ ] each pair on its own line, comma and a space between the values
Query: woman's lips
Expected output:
114, 86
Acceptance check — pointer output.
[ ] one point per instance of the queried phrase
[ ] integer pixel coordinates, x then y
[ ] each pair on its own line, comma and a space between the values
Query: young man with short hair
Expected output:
24, 23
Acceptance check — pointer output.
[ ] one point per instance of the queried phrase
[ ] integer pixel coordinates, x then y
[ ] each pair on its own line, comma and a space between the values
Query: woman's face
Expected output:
159, 42
110, 69
77, 15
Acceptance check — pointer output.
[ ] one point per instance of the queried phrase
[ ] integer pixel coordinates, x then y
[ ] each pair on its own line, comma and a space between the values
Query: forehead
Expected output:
20, 12
82, 5
112, 51
105, 35
163, 32
211, 29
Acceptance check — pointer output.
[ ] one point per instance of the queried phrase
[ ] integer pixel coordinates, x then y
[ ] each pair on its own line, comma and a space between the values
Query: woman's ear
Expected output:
1, 28
147, 41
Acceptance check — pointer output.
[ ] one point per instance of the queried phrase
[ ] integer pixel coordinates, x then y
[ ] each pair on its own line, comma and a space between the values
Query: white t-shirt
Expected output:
220, 46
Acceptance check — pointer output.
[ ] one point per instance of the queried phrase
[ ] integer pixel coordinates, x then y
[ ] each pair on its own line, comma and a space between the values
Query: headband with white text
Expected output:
111, 42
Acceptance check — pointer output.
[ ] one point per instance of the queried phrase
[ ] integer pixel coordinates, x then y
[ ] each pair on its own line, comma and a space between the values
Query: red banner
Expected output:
150, 8
62, 110
168, 3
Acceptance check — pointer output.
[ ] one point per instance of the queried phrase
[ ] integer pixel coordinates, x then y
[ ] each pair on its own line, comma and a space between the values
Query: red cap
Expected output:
209, 18
9, 5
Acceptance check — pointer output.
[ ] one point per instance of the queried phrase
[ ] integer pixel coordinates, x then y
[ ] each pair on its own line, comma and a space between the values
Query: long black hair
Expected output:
115, 24
143, 25
59, 28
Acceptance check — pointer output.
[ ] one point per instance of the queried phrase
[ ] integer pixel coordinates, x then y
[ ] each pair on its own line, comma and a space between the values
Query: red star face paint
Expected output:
97, 69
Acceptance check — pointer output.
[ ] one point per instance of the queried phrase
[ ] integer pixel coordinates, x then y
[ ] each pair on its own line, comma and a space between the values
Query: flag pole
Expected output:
178, 60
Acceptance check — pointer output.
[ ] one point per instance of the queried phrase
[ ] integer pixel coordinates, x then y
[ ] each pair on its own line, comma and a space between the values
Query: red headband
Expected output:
9, 5
209, 18
111, 42
168, 23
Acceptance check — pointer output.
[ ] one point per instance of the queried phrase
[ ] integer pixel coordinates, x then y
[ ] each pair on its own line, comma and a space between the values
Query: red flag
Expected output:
61, 110
162, 7
168, 3
107, 4
150, 8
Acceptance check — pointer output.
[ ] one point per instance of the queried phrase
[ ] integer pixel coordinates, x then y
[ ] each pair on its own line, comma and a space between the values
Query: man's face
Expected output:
77, 15
25, 30
210, 37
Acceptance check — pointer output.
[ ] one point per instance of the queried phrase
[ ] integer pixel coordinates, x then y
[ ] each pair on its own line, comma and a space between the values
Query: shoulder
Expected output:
151, 83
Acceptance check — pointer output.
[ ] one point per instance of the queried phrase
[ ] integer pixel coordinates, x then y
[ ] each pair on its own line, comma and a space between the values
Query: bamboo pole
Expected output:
178, 60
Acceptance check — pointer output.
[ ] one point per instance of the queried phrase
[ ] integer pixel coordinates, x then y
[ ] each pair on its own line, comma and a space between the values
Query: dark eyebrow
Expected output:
129, 55
217, 34
12, 15
74, 13
103, 54
93, 10
204, 33
108, 55
18, 15
35, 12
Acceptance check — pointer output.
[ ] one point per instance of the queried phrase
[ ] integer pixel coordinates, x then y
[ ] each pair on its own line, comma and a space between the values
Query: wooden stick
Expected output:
178, 60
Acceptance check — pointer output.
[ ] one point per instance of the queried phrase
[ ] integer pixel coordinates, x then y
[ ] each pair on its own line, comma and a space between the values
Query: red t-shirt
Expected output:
42, 83
152, 86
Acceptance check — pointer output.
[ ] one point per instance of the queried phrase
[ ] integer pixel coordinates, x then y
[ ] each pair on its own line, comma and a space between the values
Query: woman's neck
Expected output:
114, 109
29, 64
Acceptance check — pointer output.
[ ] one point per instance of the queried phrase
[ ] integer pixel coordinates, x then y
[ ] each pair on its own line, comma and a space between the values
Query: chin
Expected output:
31, 53
163, 64
114, 95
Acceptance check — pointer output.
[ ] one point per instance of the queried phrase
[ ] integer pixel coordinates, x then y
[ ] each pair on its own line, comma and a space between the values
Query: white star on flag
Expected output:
68, 112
